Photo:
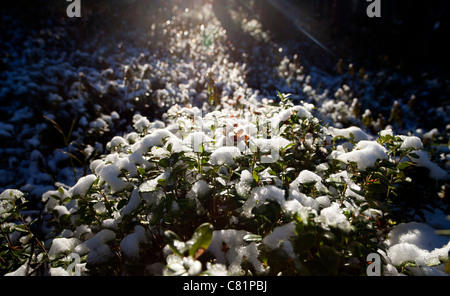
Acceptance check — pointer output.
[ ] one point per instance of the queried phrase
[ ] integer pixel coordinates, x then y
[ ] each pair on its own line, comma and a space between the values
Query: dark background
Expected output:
411, 33
414, 32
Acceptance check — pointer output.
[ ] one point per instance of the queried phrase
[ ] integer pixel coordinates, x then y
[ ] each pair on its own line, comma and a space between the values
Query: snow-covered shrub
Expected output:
283, 188
279, 193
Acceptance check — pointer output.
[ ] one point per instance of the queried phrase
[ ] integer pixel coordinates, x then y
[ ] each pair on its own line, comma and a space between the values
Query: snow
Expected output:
82, 186
21, 271
98, 239
237, 252
130, 243
262, 194
358, 133
110, 174
232, 238
151, 185
324, 200
436, 172
243, 187
6, 130
195, 140
294, 205
416, 242
200, 189
154, 139
280, 238
83, 232
58, 271
61, 210
111, 223
334, 216
386, 132
411, 142
178, 82
10, 194
62, 246
141, 124
96, 248
99, 207
266, 145
116, 141
308, 177
224, 155
133, 203
6, 199
365, 154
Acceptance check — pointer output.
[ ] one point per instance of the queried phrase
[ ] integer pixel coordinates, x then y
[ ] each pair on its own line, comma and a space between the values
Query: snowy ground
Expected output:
97, 86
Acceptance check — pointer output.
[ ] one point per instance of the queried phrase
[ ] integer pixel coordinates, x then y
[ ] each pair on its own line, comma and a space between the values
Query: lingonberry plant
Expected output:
263, 190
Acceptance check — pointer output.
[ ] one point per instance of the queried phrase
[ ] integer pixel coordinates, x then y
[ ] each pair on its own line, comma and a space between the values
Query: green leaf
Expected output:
141, 171
289, 146
413, 155
172, 238
122, 203
305, 242
329, 257
404, 165
268, 210
187, 204
443, 232
255, 176
169, 147
164, 162
201, 238
20, 228
252, 238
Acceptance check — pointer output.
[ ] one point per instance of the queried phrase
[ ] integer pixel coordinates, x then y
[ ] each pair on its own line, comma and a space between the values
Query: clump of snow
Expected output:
262, 194
436, 172
357, 133
280, 238
61, 210
151, 185
110, 174
411, 142
141, 123
334, 216
130, 243
416, 242
133, 203
386, 132
243, 187
58, 271
21, 271
225, 155
153, 139
62, 245
6, 198
116, 141
272, 145
195, 140
200, 188
216, 269
82, 186
98, 251
365, 154
182, 266
308, 177
237, 251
